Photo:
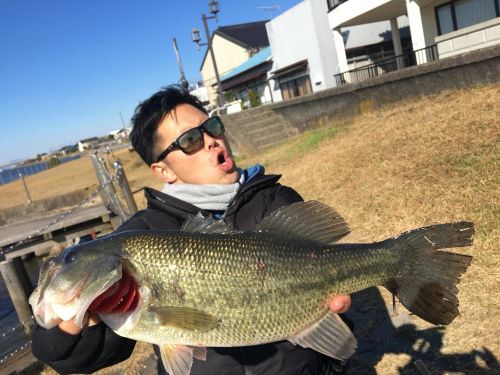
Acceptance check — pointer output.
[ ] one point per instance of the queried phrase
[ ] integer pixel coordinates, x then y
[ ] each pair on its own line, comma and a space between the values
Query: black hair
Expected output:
149, 114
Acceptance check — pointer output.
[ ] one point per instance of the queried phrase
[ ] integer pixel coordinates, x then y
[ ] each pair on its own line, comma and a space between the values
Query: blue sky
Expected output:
68, 68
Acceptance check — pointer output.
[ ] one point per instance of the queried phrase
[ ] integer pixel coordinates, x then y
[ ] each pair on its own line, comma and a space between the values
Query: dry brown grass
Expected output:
410, 164
75, 175
416, 163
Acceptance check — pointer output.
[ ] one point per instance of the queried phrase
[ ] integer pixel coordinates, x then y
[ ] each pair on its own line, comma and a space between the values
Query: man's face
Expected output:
213, 163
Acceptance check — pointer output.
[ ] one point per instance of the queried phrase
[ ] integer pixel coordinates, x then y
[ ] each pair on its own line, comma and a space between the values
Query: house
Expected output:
342, 41
67, 150
438, 28
120, 135
306, 59
87, 144
248, 82
232, 46
199, 90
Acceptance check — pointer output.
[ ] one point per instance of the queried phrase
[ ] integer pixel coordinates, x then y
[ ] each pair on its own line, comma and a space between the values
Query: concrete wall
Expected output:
470, 38
40, 208
338, 104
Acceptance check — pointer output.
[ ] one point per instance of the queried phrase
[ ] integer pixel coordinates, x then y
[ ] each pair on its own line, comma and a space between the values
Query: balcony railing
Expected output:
417, 57
332, 4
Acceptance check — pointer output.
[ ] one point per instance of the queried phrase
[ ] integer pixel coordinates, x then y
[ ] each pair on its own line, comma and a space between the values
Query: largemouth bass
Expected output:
207, 286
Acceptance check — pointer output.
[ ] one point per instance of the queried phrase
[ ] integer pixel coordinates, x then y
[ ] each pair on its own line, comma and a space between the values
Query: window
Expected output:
334, 3
471, 12
296, 87
463, 13
445, 19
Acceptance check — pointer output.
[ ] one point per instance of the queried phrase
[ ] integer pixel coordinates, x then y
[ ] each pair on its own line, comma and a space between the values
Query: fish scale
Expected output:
265, 308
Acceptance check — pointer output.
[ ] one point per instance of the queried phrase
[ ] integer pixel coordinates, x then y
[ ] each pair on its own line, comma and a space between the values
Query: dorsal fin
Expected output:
206, 225
310, 220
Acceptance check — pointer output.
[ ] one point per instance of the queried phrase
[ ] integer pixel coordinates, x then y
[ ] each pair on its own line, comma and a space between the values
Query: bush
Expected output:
53, 162
253, 98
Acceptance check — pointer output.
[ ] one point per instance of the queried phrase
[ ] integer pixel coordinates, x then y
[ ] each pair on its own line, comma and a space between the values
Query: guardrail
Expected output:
391, 64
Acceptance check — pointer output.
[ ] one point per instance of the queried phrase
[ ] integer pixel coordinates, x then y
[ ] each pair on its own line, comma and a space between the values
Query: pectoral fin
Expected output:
199, 352
185, 318
329, 336
178, 359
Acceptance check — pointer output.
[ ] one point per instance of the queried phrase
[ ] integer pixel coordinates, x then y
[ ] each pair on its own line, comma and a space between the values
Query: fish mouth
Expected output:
120, 297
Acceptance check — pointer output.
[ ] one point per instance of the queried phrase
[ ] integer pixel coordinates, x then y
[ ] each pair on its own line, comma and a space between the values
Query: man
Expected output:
189, 152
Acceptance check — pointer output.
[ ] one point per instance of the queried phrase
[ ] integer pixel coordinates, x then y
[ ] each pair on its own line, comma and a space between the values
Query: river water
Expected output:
12, 336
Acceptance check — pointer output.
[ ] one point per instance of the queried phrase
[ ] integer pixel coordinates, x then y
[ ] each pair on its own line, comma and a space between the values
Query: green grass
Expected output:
298, 145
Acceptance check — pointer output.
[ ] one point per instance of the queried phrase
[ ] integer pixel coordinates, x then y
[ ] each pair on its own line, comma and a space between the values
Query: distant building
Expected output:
232, 46
88, 144
66, 150
120, 135
199, 90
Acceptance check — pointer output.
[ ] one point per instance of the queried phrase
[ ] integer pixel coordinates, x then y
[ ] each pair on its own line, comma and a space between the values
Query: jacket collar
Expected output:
180, 209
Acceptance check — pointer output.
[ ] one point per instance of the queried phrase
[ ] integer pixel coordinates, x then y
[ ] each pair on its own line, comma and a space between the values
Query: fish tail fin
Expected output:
427, 282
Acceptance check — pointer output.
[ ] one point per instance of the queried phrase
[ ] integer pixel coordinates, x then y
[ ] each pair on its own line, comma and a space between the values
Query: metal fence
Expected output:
407, 59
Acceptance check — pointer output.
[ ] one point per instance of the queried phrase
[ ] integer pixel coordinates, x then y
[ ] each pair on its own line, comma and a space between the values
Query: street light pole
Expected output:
222, 100
195, 36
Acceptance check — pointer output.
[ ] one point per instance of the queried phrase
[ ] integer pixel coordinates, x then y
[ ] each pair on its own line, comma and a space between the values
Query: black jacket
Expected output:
98, 346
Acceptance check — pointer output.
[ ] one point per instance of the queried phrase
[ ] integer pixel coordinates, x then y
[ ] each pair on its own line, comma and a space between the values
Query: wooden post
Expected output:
25, 187
20, 288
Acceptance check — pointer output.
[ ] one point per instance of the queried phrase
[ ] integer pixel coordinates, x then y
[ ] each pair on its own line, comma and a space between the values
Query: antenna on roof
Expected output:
270, 9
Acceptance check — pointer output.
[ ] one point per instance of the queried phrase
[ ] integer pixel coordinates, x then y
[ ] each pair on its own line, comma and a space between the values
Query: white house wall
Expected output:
357, 12
325, 61
303, 33
422, 21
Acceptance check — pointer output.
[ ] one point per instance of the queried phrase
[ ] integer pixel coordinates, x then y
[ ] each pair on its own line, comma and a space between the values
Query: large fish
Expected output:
206, 286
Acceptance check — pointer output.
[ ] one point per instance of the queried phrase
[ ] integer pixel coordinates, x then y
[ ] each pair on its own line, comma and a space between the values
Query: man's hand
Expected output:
70, 326
340, 304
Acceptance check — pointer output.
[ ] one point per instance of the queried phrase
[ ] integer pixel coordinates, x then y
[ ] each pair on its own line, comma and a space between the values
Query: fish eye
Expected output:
70, 256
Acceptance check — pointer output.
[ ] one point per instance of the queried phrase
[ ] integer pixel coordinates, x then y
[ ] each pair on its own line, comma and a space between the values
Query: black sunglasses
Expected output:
192, 140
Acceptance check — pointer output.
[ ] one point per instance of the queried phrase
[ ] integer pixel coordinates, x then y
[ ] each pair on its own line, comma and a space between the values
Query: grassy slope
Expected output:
410, 164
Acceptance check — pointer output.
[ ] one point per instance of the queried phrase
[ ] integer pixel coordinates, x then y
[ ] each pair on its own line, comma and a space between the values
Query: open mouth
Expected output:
224, 161
221, 158
120, 297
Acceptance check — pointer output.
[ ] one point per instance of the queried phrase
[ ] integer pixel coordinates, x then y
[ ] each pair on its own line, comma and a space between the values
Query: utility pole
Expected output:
184, 81
195, 36
123, 122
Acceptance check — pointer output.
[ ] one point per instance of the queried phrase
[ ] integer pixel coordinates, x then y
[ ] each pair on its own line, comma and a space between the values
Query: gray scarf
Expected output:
214, 197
